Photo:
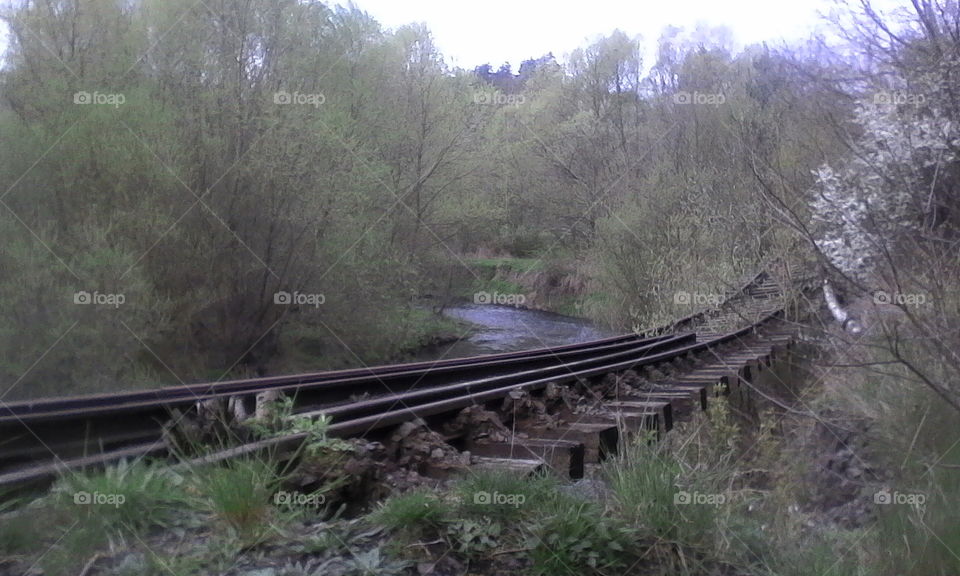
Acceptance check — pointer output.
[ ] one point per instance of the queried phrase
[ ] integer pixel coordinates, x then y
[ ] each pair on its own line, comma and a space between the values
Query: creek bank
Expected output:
533, 284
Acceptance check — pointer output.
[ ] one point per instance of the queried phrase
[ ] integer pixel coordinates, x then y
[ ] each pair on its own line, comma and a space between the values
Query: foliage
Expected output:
475, 538
352, 165
245, 188
572, 536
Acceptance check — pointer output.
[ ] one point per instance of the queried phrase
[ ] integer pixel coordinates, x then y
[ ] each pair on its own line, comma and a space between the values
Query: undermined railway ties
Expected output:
561, 408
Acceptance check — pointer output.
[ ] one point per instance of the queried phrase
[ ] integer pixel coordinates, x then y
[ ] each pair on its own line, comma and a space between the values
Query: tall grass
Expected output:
85, 511
413, 515
123, 497
503, 496
650, 490
238, 496
912, 438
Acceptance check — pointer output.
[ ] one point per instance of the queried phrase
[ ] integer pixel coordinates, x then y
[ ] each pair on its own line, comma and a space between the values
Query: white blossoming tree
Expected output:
886, 214
884, 197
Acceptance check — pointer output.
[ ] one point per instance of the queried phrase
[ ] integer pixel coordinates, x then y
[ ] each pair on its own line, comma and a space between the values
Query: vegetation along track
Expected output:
568, 405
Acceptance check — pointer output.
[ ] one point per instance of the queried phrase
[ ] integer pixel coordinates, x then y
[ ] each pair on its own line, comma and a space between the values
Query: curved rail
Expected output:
64, 429
431, 403
685, 322
42, 438
199, 392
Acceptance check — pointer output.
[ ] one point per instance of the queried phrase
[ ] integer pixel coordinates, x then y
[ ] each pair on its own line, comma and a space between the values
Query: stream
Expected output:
507, 329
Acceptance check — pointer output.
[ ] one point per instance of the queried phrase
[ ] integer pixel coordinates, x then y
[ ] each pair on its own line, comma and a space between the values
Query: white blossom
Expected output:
882, 190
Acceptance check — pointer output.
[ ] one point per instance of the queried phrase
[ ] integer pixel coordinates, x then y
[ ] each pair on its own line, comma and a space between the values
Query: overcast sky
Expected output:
475, 32
497, 31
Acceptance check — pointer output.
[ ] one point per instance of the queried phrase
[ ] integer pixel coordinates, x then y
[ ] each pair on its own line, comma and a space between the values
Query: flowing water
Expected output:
506, 329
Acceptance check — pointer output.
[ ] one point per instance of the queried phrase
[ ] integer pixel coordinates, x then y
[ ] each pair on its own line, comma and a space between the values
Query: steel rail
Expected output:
20, 411
431, 407
132, 423
109, 427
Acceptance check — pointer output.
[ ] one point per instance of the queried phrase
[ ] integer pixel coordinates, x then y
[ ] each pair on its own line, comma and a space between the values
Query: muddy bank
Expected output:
536, 285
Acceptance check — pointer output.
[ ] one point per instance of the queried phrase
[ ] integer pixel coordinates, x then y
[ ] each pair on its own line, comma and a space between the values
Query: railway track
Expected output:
682, 363
744, 304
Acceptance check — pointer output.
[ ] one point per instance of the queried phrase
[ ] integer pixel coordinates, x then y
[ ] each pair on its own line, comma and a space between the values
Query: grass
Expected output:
70, 550
494, 286
413, 515
679, 497
490, 511
19, 530
124, 497
502, 496
491, 269
836, 558
907, 438
924, 539
86, 511
522, 265
489, 515
671, 506
238, 496
418, 328
646, 483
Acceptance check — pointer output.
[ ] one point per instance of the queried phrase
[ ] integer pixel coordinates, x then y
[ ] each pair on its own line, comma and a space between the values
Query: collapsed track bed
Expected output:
655, 378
